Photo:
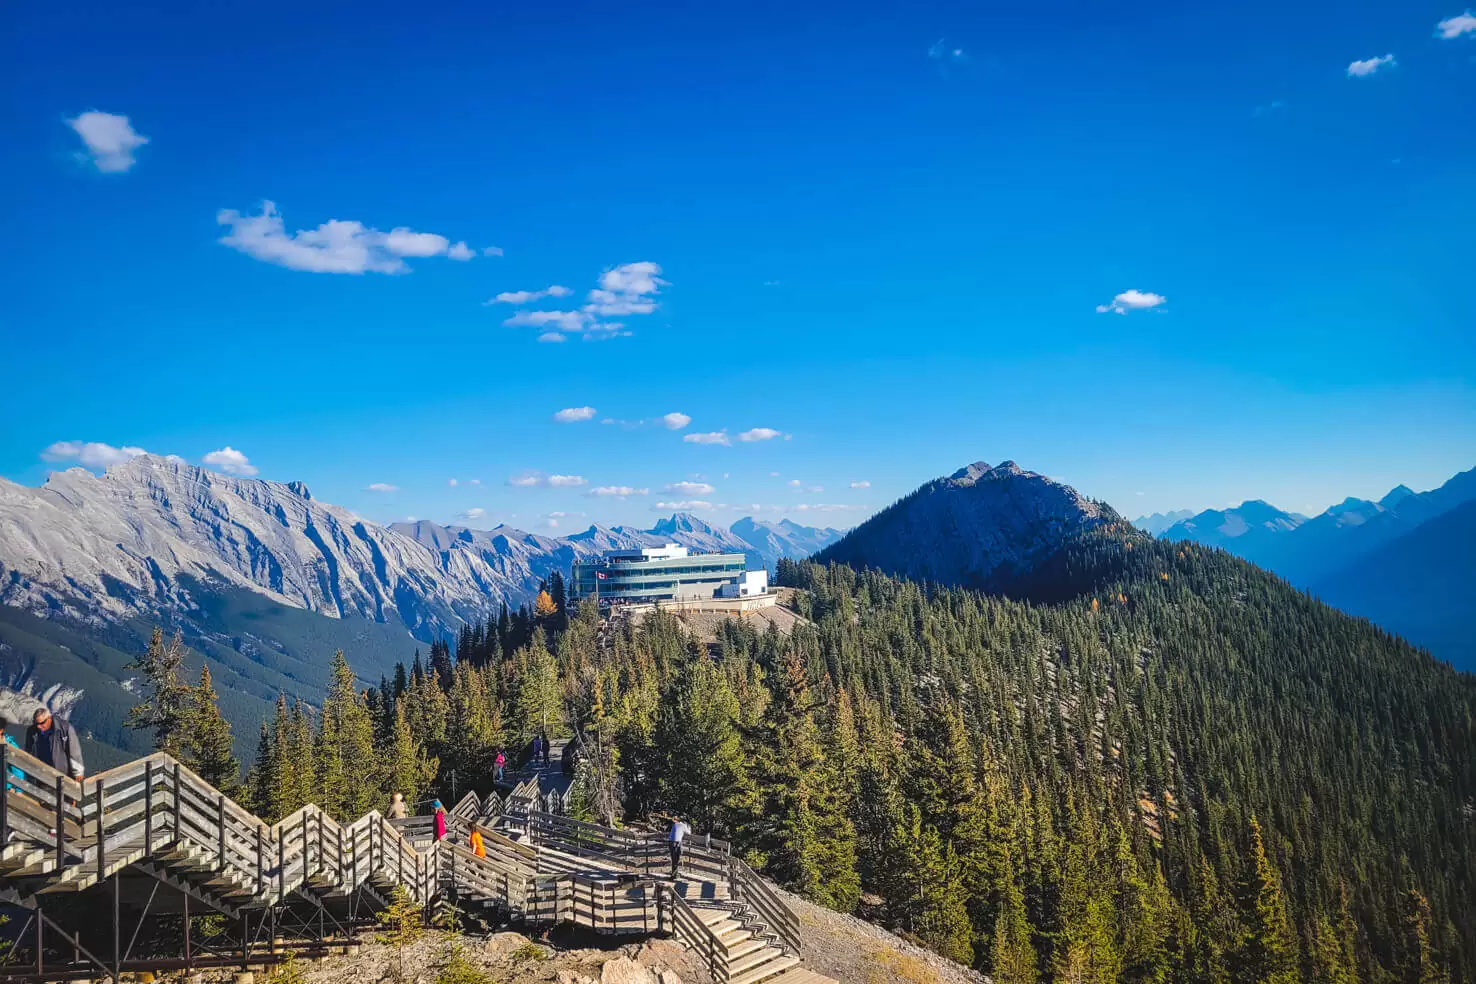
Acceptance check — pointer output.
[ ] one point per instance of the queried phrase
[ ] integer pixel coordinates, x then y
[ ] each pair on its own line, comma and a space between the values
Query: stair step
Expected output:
799, 975
764, 971
737, 951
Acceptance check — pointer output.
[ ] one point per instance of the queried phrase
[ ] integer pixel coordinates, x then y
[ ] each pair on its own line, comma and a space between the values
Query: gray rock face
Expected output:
978, 527
102, 548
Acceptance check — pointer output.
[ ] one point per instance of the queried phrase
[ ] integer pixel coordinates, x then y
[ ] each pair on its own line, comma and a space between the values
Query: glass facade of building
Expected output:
630, 581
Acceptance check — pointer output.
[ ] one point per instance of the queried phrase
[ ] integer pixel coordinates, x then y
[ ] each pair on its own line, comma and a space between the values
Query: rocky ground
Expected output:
849, 949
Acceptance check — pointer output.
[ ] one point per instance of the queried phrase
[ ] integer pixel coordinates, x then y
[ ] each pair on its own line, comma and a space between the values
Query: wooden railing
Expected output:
749, 890
690, 930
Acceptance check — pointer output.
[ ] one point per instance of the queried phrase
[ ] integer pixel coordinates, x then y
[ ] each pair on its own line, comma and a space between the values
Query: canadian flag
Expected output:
601, 575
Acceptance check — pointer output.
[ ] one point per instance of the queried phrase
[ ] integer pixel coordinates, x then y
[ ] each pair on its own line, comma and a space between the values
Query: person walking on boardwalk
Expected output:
501, 763
543, 745
52, 740
397, 810
674, 837
537, 750
440, 820
475, 840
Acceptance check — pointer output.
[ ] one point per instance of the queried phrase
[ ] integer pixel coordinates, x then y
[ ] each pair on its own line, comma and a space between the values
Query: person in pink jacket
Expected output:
440, 820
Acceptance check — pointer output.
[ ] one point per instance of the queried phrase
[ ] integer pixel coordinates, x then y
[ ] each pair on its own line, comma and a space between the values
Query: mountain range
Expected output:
1398, 560
247, 570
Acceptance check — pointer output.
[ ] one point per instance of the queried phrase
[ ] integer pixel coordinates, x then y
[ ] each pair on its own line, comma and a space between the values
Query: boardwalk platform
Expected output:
111, 875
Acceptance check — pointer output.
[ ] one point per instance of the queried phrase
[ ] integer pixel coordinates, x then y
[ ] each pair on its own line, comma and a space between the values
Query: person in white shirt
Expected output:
674, 837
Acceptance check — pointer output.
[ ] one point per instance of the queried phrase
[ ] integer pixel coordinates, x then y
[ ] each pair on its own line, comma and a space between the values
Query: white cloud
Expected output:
814, 488
336, 246
1454, 27
1368, 66
1132, 300
863, 484
674, 421
90, 454
524, 296
110, 140
475, 512
690, 488
461, 251
683, 506
626, 289
615, 491
382, 487
561, 514
567, 481
452, 482
825, 507
630, 288
941, 51
760, 434
475, 481
551, 523
537, 479
795, 483
773, 474
573, 415
492, 251
711, 437
230, 461
526, 480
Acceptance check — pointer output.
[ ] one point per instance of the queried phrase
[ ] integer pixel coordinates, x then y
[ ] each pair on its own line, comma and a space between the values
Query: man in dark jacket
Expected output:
53, 741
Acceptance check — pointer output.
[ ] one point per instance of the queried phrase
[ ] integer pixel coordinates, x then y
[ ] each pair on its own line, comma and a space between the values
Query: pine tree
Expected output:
703, 773
1012, 958
925, 891
264, 776
538, 693
407, 768
401, 925
207, 745
345, 747
1266, 952
165, 706
1417, 964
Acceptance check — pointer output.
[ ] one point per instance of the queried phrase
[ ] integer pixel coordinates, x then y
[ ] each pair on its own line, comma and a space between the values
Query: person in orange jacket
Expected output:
478, 848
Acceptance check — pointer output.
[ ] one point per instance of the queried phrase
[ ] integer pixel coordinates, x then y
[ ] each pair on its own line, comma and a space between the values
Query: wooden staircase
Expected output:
154, 818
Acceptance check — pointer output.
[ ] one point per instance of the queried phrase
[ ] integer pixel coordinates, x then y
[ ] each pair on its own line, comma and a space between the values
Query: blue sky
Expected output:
1176, 257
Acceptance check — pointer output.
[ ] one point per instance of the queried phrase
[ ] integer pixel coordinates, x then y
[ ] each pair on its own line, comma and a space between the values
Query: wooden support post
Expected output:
178, 835
102, 863
40, 952
260, 887
61, 824
148, 807
220, 831
188, 956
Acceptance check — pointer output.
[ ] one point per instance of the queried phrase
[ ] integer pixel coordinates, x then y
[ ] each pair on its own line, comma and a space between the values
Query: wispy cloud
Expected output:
1132, 300
90, 454
615, 492
944, 53
627, 289
761, 434
573, 415
1368, 66
710, 437
863, 484
475, 512
452, 482
336, 246
537, 479
1454, 27
381, 487
690, 488
110, 140
230, 461
524, 296
683, 506
674, 421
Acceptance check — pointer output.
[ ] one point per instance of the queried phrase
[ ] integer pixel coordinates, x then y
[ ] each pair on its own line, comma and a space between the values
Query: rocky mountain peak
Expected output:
973, 528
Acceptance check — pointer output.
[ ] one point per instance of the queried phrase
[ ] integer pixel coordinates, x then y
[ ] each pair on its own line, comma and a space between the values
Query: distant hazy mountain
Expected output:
1305, 550
1378, 559
786, 538
979, 527
1247, 525
1419, 585
1156, 523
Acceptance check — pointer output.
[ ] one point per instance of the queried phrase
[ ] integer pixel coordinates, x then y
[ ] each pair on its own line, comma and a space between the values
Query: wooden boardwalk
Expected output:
159, 847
